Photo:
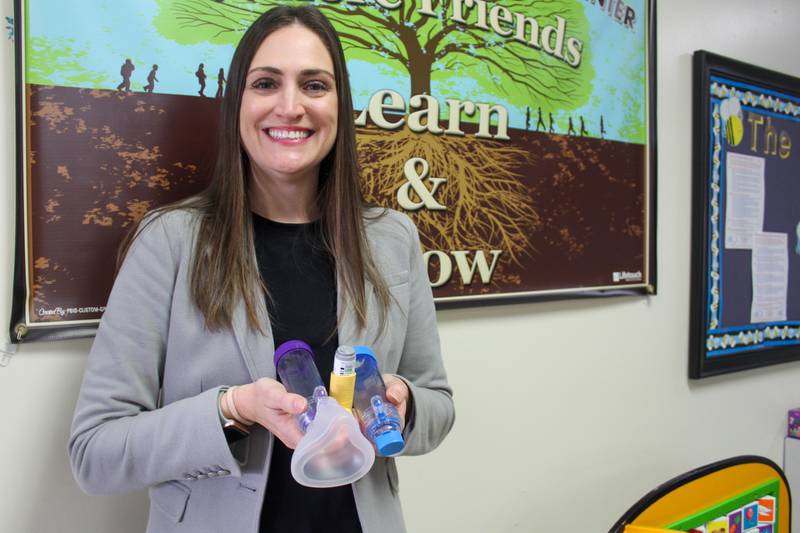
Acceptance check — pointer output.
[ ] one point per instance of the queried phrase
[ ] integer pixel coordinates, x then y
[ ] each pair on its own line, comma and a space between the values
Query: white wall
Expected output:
584, 405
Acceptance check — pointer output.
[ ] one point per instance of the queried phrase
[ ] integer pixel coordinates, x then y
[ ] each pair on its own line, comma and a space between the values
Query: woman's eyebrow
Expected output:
304, 72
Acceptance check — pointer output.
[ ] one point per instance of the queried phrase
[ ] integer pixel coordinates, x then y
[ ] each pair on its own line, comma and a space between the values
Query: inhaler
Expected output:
332, 451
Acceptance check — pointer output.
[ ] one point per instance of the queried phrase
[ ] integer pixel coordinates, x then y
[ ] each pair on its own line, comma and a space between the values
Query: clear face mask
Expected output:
333, 451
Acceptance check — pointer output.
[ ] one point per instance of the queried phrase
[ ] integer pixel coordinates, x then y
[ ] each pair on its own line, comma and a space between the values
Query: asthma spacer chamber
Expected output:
333, 451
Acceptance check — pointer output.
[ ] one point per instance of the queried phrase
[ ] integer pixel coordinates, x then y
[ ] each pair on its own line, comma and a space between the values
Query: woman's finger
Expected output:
288, 432
396, 389
397, 393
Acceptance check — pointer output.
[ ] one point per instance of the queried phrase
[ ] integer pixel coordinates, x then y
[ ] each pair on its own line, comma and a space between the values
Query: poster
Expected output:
518, 136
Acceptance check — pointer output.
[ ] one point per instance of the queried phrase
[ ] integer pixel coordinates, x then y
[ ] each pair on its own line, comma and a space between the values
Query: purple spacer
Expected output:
289, 346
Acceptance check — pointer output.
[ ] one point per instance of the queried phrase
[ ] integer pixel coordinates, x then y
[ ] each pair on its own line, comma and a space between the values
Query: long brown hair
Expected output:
224, 269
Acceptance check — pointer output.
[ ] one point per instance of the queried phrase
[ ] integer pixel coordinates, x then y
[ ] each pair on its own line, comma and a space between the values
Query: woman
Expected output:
280, 245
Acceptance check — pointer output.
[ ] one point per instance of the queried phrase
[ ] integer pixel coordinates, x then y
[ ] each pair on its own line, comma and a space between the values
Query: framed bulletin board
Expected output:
745, 303
522, 149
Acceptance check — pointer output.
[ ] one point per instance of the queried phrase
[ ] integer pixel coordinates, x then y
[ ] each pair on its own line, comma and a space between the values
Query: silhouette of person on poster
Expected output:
583, 128
151, 80
570, 128
220, 83
527, 118
550, 129
126, 71
540, 122
602, 128
201, 79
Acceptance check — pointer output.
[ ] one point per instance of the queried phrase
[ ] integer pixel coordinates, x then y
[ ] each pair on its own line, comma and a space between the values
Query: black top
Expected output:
300, 278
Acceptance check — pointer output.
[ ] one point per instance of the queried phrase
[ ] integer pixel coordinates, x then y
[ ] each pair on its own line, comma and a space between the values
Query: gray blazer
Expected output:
147, 411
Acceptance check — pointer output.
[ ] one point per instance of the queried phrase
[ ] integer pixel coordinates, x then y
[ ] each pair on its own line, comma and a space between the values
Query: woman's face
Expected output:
288, 116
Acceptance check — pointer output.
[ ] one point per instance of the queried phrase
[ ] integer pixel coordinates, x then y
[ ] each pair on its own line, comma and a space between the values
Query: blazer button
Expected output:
224, 472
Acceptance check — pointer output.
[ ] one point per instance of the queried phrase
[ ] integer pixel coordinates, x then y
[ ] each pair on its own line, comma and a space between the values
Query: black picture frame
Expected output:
720, 341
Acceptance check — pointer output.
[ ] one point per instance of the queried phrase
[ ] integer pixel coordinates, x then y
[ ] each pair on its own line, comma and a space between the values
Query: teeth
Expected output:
288, 134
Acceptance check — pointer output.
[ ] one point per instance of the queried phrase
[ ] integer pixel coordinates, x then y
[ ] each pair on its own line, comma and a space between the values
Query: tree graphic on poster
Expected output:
488, 205
417, 46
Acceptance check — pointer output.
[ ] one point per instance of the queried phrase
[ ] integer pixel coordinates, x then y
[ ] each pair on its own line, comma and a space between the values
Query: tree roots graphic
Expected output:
488, 205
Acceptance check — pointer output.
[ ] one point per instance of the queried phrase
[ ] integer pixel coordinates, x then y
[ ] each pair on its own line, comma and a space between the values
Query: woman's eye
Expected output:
264, 83
316, 86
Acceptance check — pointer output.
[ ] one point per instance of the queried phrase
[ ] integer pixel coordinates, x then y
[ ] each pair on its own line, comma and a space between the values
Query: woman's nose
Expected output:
290, 105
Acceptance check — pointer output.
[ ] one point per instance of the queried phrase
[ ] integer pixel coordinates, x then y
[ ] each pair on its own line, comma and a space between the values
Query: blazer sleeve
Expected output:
121, 438
421, 367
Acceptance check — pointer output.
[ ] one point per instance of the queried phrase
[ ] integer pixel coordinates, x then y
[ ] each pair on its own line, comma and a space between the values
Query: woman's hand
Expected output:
266, 402
397, 392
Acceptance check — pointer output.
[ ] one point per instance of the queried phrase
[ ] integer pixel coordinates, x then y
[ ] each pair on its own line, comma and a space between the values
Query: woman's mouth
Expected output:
288, 134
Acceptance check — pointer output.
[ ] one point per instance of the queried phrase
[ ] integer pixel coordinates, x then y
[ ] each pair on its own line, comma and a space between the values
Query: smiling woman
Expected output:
288, 122
180, 392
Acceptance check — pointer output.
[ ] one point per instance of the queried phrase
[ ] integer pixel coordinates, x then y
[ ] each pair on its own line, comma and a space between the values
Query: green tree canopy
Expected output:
426, 49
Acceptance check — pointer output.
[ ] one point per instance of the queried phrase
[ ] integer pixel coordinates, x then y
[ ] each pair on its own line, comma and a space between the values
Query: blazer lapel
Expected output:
349, 332
257, 349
